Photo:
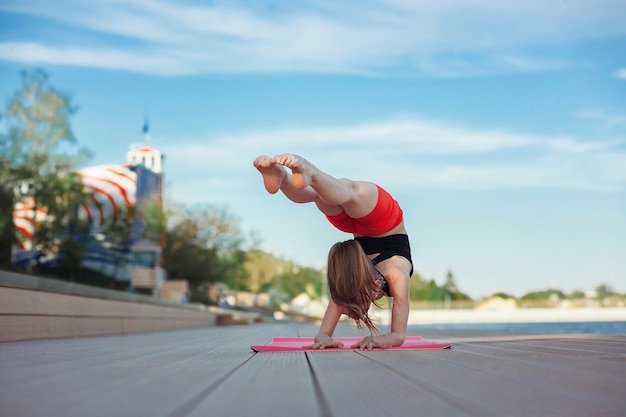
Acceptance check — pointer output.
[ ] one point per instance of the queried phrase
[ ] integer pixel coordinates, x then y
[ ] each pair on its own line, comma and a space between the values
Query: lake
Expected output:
601, 327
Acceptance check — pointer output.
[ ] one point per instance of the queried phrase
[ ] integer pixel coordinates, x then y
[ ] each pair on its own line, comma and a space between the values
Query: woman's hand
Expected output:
323, 341
370, 342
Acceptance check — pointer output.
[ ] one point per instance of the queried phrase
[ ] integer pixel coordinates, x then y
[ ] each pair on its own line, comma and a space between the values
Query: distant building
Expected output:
115, 190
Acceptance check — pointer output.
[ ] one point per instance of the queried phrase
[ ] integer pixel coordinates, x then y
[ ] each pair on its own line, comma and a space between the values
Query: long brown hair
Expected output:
351, 281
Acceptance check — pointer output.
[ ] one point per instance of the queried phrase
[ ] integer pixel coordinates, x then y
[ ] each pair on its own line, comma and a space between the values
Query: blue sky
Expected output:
499, 126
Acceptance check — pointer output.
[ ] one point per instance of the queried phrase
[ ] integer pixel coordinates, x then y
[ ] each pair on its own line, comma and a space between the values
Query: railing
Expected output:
443, 305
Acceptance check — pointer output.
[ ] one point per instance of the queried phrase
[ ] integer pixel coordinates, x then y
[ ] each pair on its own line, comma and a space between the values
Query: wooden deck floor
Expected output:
213, 372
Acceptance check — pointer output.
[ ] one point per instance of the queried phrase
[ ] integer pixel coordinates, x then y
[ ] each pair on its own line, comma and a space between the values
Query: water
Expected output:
601, 327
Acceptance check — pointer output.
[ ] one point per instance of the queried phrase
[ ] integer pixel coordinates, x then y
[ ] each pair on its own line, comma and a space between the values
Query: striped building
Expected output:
114, 190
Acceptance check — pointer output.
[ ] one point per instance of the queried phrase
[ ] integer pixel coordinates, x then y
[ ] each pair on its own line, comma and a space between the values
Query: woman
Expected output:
376, 262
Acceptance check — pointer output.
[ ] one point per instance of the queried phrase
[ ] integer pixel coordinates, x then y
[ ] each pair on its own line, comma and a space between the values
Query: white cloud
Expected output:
411, 152
449, 38
601, 171
103, 58
609, 121
621, 73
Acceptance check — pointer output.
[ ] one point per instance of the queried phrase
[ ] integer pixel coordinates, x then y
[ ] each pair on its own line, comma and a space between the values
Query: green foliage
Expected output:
118, 236
39, 131
72, 257
604, 291
60, 194
544, 295
6, 218
235, 270
576, 295
428, 290
503, 295
451, 289
262, 267
267, 272
154, 219
33, 151
296, 280
202, 246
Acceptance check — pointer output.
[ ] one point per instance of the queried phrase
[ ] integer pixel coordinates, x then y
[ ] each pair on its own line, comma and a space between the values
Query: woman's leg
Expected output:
332, 195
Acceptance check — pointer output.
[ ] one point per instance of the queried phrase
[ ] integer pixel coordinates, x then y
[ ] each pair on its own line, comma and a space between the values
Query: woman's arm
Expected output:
324, 338
399, 311
398, 278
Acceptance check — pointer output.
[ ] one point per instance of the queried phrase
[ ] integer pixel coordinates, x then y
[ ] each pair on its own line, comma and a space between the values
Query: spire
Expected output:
146, 129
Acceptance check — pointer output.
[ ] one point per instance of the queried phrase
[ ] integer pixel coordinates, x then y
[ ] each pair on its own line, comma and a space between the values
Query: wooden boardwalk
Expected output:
213, 372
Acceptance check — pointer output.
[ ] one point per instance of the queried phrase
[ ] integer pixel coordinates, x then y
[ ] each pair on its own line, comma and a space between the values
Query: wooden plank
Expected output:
156, 374
572, 347
131, 386
533, 384
352, 384
594, 373
603, 364
267, 385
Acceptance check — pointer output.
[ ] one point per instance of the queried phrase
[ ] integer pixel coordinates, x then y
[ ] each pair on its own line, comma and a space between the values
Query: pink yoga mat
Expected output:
287, 344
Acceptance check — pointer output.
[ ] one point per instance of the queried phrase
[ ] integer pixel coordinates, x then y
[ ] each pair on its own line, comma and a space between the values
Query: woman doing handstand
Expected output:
376, 262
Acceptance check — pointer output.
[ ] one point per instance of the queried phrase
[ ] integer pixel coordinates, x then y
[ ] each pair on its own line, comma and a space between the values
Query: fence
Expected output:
608, 302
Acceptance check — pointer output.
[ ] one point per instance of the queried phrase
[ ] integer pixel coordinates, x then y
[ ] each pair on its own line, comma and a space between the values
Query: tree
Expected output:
451, 289
450, 284
544, 295
202, 246
119, 236
576, 295
294, 280
428, 290
33, 151
502, 295
6, 213
604, 290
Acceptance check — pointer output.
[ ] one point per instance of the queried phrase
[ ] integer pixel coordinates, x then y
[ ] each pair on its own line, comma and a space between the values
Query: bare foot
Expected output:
273, 175
301, 169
